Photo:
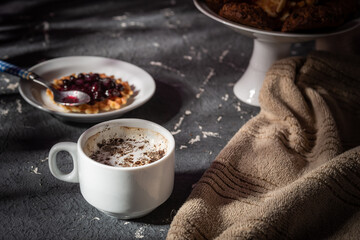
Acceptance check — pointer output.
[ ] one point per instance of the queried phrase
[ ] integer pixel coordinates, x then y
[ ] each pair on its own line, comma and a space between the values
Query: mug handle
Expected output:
71, 148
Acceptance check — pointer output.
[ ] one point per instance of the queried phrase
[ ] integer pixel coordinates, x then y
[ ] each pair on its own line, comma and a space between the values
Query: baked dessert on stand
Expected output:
274, 25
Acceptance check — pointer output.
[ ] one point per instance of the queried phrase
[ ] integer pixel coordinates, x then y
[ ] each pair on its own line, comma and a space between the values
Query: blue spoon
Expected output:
67, 98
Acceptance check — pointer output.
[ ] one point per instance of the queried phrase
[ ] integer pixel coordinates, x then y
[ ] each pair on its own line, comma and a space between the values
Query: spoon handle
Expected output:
14, 70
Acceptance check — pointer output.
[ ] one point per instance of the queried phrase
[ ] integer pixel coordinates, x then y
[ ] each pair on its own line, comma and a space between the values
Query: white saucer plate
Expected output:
142, 83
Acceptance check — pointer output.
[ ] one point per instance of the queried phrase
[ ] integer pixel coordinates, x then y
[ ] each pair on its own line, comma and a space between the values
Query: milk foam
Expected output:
126, 146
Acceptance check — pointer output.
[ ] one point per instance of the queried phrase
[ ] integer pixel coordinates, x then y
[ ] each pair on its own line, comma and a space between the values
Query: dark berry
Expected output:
96, 77
95, 87
73, 87
88, 77
115, 93
79, 82
120, 87
98, 88
108, 83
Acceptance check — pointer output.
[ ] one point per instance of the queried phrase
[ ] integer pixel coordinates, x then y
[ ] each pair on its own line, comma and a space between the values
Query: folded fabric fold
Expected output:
293, 171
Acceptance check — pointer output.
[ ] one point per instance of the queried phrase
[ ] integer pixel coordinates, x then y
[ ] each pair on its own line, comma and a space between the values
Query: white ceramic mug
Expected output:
122, 192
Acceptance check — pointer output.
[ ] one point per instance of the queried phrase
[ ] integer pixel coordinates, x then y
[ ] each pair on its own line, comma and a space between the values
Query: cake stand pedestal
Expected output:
264, 54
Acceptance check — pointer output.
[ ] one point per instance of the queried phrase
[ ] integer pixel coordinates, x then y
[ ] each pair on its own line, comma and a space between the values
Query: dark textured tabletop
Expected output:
195, 62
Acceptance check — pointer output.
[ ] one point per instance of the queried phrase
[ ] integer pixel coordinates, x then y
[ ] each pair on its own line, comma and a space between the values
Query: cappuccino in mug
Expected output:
141, 155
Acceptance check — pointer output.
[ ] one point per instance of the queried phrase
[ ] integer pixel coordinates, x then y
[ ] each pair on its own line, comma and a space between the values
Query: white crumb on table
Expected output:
19, 106
225, 98
194, 140
223, 55
119, 18
139, 233
4, 112
210, 134
161, 65
178, 124
46, 28
5, 78
35, 170
238, 106
198, 95
138, 24
12, 86
168, 12
209, 76
175, 132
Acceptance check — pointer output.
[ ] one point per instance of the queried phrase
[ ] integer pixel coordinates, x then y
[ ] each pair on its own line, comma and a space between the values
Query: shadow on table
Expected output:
161, 108
165, 213
164, 105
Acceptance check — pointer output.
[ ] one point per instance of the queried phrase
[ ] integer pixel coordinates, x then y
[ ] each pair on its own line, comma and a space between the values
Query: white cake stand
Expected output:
269, 46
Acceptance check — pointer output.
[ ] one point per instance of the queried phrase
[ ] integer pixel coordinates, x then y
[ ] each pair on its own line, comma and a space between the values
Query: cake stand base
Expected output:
264, 54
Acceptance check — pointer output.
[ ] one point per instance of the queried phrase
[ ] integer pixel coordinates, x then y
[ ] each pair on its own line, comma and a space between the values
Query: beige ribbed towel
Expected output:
293, 171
